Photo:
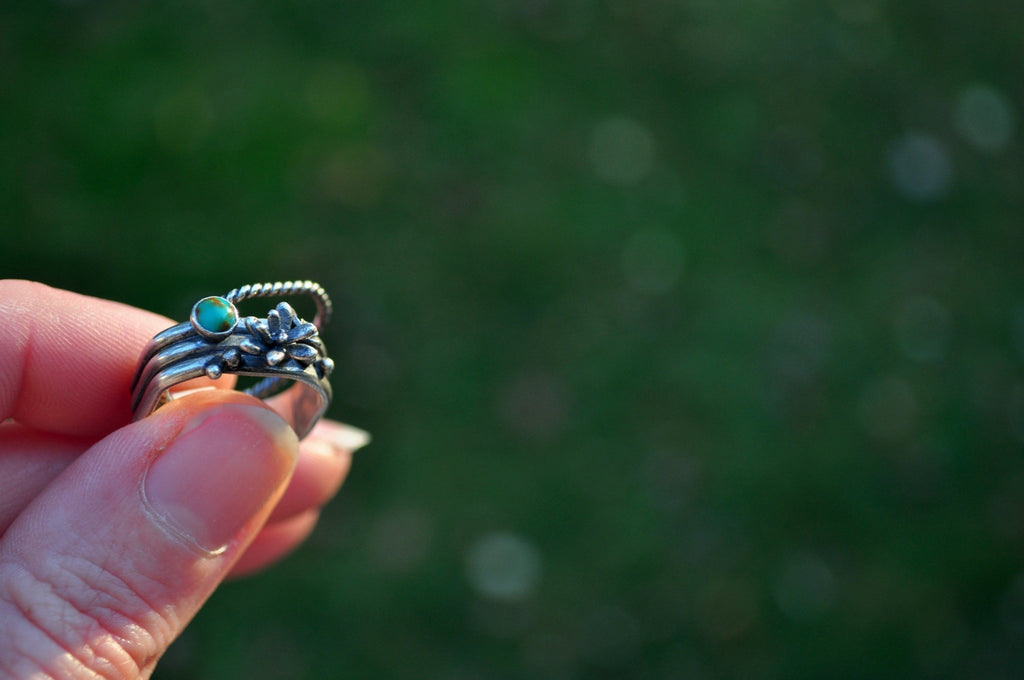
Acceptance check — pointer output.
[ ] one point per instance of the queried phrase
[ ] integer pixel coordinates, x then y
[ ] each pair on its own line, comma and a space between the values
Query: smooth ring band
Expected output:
279, 349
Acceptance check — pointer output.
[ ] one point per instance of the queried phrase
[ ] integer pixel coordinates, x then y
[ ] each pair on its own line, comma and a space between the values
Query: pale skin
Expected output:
113, 533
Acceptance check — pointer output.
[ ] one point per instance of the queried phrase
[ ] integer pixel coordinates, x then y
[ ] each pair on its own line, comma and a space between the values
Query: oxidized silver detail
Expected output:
280, 349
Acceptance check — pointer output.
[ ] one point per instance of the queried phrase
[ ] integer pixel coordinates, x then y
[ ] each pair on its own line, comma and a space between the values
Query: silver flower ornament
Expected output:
282, 334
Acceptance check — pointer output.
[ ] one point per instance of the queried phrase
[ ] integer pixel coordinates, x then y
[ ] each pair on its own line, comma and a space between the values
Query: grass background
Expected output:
690, 333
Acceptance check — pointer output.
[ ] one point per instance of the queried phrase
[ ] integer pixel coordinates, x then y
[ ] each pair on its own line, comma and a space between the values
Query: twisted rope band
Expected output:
287, 289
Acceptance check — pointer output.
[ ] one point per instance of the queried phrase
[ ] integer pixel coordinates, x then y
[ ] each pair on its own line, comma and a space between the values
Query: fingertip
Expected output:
67, 360
275, 542
220, 470
319, 473
122, 548
341, 436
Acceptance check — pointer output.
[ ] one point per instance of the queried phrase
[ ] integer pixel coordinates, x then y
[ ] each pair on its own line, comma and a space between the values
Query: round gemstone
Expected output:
214, 315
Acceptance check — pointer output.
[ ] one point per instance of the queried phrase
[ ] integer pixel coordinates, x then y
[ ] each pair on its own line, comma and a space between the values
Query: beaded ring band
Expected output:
279, 349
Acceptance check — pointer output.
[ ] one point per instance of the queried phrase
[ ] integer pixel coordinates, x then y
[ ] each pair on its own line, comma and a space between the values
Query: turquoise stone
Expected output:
215, 315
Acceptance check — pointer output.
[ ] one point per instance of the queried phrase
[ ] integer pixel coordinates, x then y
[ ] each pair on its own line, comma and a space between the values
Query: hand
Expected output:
113, 534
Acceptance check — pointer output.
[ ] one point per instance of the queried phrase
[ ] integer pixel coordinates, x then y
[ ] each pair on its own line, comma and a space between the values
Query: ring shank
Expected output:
300, 405
274, 355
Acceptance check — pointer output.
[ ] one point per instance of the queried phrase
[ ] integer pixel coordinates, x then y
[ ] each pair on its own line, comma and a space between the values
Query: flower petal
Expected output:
231, 358
250, 346
274, 357
301, 352
287, 314
259, 328
326, 365
301, 332
273, 322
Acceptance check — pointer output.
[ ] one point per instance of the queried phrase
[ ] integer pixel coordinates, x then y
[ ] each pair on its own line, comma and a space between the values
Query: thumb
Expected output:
104, 569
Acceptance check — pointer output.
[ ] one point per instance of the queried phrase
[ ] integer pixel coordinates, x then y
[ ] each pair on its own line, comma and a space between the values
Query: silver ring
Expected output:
282, 350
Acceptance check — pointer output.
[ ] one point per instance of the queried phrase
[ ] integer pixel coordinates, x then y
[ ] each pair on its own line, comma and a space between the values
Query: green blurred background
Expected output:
690, 333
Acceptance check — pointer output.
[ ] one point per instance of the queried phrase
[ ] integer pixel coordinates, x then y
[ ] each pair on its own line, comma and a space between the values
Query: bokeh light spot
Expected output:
503, 566
671, 477
1017, 330
354, 176
400, 538
919, 167
621, 151
726, 609
856, 11
805, 588
798, 349
1015, 412
888, 408
182, 120
338, 94
799, 235
534, 404
923, 329
609, 637
652, 261
863, 36
793, 157
550, 654
1012, 608
985, 117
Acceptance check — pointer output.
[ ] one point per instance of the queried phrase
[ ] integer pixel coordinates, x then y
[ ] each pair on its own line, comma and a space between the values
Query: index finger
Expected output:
67, 360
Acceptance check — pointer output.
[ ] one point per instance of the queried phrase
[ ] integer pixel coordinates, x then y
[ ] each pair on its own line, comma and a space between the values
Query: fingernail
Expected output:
217, 474
341, 437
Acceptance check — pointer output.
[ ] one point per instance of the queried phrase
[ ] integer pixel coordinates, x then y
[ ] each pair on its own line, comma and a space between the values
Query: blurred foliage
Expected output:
690, 333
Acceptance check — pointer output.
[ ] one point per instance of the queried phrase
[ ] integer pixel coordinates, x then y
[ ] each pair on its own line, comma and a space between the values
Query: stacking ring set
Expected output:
284, 352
